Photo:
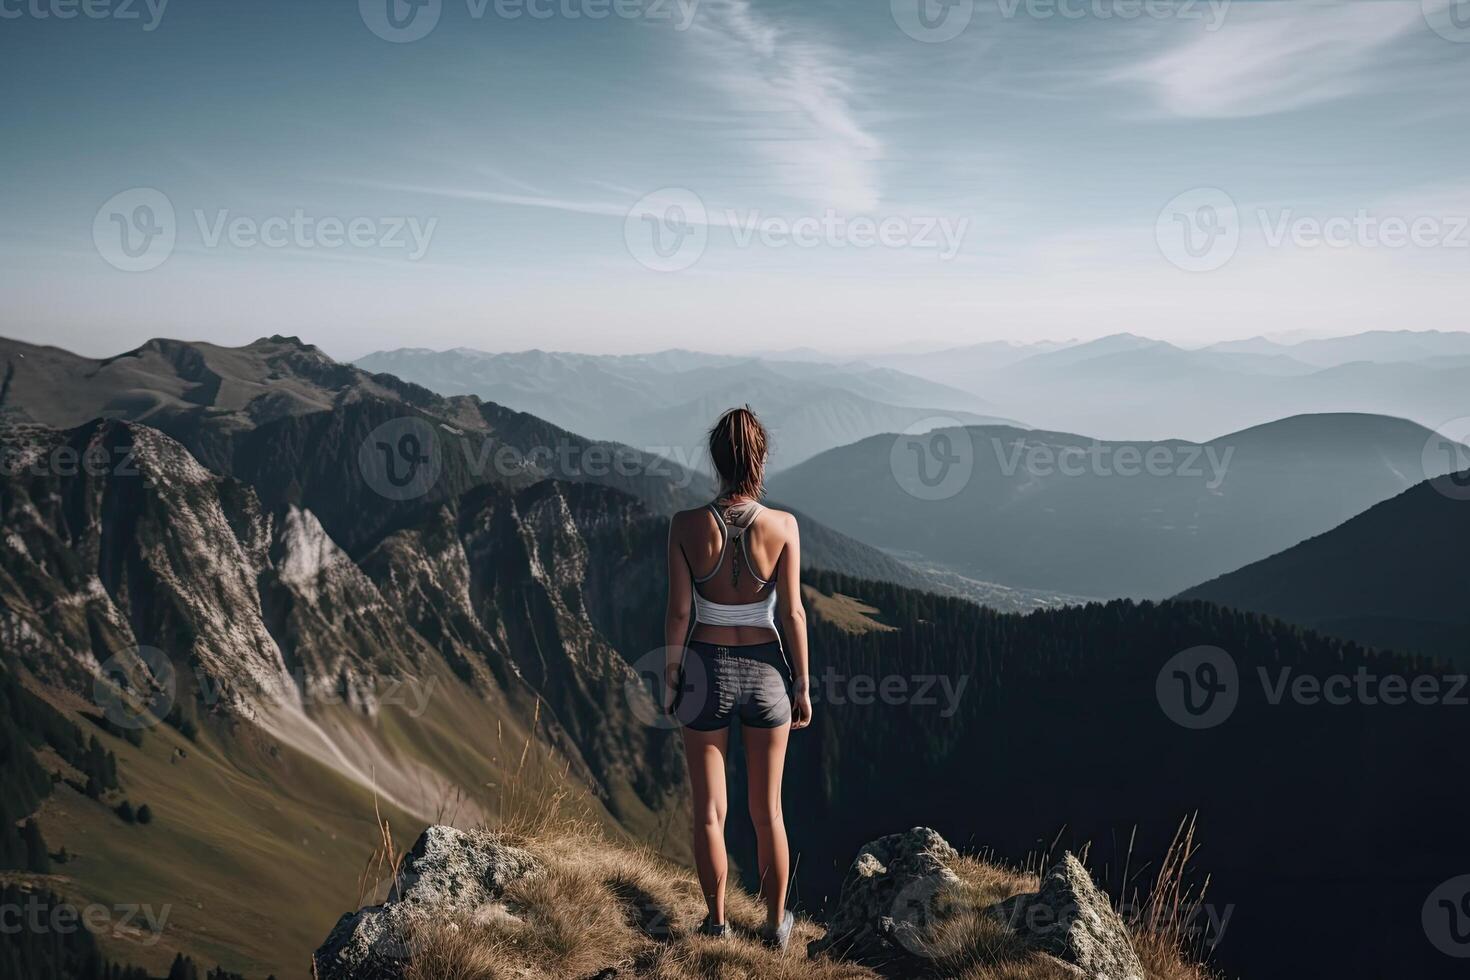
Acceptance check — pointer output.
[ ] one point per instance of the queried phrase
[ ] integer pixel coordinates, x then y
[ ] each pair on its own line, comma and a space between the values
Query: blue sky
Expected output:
499, 171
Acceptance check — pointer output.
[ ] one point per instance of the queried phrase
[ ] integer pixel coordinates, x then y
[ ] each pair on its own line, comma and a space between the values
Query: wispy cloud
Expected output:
801, 91
1275, 57
568, 205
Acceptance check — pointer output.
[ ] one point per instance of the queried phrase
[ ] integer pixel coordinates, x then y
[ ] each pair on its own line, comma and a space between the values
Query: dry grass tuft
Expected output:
615, 905
605, 905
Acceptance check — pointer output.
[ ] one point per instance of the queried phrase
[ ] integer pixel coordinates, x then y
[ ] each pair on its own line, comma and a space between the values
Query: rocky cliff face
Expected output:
262, 616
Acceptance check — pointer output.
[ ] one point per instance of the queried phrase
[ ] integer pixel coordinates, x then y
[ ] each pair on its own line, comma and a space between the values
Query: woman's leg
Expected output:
705, 752
765, 751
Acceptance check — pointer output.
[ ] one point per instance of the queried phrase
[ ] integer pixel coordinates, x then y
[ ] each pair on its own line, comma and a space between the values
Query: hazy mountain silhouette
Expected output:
664, 402
1129, 387
1383, 346
1048, 510
1392, 577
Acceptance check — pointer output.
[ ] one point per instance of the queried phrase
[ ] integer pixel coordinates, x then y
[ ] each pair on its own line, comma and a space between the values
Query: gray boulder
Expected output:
1069, 918
893, 893
368, 944
449, 875
454, 872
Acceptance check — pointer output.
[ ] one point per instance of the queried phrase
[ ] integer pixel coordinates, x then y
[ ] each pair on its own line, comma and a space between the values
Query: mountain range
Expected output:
665, 402
1118, 387
1129, 387
1055, 511
240, 540
283, 416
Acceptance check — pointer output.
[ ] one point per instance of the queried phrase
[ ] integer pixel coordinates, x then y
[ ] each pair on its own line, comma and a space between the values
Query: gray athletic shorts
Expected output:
752, 683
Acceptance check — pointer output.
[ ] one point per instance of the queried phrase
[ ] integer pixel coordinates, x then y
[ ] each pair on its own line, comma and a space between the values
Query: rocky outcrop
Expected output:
891, 897
449, 875
901, 887
1069, 918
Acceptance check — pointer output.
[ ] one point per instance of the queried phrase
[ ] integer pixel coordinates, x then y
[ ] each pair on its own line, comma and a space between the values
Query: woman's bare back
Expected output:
742, 568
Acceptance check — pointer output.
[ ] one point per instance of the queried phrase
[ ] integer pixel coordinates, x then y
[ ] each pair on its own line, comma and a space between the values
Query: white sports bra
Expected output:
762, 612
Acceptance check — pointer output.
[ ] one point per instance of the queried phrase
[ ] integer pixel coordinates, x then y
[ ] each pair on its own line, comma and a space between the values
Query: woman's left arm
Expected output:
676, 614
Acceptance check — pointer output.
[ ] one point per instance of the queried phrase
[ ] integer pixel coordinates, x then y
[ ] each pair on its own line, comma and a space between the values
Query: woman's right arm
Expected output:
793, 624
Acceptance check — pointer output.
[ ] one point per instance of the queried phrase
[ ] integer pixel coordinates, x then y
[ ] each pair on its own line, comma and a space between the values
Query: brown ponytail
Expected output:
737, 446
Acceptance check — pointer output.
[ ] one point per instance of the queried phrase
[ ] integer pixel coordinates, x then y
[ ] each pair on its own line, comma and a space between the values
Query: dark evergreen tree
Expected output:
38, 860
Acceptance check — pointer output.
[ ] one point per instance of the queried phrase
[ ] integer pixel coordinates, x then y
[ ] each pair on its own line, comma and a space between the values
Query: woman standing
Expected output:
735, 565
